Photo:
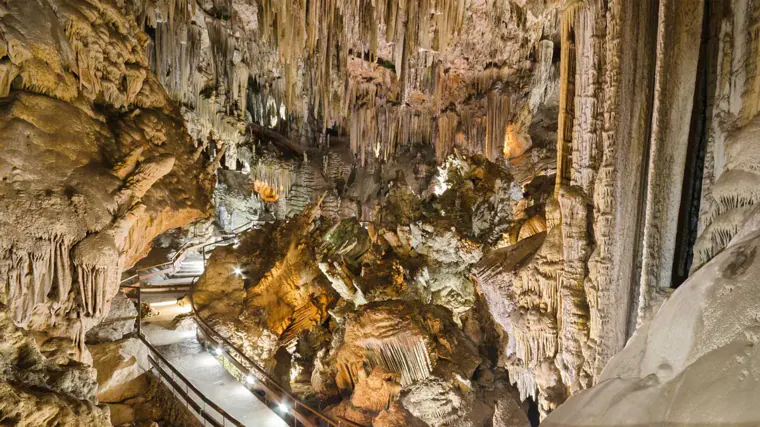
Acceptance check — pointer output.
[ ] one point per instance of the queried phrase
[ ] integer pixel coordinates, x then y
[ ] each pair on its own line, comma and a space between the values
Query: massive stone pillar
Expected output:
628, 83
678, 45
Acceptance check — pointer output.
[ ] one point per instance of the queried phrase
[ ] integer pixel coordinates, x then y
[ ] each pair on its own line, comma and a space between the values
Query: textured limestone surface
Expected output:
36, 390
120, 321
477, 203
94, 161
381, 316
121, 367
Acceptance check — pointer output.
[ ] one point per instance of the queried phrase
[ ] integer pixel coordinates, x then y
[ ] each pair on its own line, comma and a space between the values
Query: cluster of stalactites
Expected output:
322, 31
176, 57
407, 356
31, 278
378, 131
176, 49
275, 176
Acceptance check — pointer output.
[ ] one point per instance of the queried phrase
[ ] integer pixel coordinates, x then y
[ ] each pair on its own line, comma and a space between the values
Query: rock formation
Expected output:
458, 212
40, 390
705, 370
374, 316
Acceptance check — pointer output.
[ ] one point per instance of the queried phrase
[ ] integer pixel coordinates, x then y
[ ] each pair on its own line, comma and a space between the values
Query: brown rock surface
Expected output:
121, 367
36, 391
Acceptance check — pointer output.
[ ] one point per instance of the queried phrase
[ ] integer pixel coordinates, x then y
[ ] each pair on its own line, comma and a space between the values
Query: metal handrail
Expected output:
180, 255
268, 380
188, 386
170, 379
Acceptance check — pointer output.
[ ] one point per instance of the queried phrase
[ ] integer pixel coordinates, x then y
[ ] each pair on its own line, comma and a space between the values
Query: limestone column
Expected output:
625, 111
679, 31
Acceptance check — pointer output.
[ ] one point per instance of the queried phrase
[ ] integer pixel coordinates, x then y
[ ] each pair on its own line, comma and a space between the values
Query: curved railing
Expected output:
181, 387
274, 391
172, 265
275, 394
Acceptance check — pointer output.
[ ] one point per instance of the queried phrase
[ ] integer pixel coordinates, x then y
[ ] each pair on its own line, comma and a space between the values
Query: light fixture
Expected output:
238, 271
283, 407
216, 351
249, 379
163, 303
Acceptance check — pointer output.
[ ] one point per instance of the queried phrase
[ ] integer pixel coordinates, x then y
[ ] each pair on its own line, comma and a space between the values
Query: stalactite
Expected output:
497, 117
448, 124
407, 356
524, 380
213, 108
567, 94
280, 177
40, 276
322, 31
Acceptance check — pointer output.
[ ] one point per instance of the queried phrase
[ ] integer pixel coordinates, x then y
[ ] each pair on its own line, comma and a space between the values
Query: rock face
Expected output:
372, 316
92, 162
119, 322
121, 367
693, 362
34, 390
474, 198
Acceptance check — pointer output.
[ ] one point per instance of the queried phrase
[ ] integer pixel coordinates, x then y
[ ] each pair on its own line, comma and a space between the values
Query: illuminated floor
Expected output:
203, 370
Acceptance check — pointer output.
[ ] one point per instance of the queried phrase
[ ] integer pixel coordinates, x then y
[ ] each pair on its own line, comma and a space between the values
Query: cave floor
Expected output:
183, 350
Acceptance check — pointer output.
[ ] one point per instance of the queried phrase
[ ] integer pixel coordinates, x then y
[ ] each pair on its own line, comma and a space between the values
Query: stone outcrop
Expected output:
121, 367
691, 373
374, 314
93, 160
36, 389
121, 320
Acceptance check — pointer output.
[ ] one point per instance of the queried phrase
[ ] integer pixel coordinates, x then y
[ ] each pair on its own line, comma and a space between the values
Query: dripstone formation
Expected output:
454, 212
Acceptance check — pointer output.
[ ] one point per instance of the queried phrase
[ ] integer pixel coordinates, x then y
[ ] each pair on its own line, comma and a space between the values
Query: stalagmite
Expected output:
572, 312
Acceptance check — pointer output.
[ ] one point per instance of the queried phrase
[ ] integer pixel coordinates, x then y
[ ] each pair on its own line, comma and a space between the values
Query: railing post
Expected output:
139, 309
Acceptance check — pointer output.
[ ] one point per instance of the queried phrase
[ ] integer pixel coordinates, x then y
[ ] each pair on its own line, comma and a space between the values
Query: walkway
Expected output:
182, 349
195, 375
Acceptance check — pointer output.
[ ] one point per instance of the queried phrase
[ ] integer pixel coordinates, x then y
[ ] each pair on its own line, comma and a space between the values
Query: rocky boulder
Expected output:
121, 367
119, 322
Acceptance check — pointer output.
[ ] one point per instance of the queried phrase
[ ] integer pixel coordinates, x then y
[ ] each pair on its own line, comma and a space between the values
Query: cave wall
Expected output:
684, 363
115, 116
95, 162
